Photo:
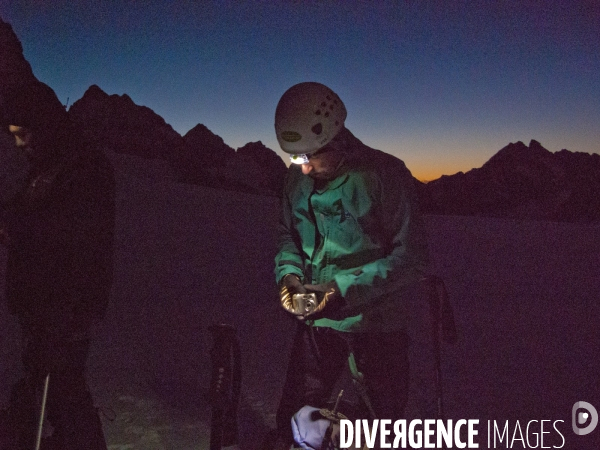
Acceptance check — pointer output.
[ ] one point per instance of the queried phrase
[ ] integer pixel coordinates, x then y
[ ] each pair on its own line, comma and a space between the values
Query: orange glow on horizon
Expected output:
425, 174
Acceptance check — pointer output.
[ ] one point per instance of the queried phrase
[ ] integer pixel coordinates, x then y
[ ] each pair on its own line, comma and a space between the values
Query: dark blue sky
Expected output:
441, 84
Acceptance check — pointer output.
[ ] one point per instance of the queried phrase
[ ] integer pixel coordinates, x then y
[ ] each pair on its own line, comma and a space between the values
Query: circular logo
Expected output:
290, 136
581, 413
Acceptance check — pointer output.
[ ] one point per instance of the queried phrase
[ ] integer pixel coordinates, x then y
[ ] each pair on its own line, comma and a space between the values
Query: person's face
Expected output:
323, 163
23, 137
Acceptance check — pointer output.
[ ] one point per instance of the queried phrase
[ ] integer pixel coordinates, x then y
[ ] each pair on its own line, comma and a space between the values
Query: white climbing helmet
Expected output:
308, 116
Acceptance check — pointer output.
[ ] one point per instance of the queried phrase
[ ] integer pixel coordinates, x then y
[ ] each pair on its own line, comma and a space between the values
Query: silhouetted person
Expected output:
58, 226
351, 233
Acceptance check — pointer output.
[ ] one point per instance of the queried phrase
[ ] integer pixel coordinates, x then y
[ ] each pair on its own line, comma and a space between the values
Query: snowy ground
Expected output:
525, 294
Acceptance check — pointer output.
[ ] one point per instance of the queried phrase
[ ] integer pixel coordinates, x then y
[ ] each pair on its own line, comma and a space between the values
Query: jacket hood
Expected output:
36, 107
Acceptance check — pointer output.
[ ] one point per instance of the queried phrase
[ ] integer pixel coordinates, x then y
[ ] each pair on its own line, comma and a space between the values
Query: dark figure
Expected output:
351, 233
58, 227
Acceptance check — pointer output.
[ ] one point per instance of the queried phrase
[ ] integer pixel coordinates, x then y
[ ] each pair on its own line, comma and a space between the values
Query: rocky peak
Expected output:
535, 146
116, 122
518, 153
207, 146
268, 161
262, 154
94, 93
14, 68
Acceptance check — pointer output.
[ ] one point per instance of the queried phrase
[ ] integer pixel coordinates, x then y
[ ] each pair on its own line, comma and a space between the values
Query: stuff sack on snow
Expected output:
310, 427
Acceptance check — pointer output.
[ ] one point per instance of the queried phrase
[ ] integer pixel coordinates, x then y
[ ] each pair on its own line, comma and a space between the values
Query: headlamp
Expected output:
299, 159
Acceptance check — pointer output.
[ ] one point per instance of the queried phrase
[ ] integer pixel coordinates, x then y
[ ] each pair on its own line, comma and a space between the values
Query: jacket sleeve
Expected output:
406, 256
289, 257
59, 268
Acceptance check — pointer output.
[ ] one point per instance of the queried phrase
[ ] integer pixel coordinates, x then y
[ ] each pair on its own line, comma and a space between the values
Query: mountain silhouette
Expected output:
115, 123
519, 181
524, 182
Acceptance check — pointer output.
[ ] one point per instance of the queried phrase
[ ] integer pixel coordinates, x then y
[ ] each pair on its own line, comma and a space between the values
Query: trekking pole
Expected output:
38, 440
225, 386
444, 329
435, 305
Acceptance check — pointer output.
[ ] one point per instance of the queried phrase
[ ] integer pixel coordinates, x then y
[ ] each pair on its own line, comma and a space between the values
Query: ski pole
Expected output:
38, 441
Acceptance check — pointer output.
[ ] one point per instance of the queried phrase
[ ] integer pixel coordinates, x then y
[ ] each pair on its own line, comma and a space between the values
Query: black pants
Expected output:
70, 410
320, 355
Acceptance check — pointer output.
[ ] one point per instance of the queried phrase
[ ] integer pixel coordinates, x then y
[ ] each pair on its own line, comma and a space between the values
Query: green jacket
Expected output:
363, 230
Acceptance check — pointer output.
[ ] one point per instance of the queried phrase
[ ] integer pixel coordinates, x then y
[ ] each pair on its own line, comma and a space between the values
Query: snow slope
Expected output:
525, 296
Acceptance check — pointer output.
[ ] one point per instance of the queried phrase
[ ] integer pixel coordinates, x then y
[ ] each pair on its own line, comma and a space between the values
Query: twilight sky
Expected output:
441, 84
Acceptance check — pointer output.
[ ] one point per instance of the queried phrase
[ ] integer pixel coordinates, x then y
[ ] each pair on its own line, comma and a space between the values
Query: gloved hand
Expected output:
328, 294
290, 285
